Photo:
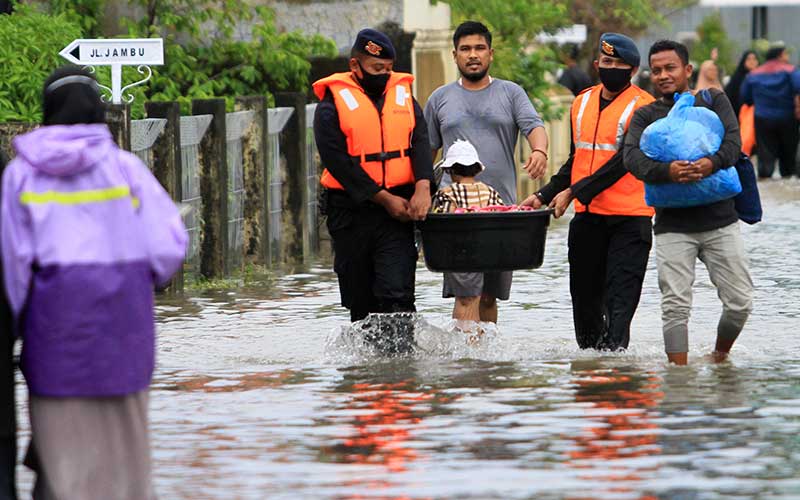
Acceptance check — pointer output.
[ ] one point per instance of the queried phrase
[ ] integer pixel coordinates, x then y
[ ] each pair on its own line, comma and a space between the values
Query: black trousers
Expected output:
607, 263
777, 141
375, 260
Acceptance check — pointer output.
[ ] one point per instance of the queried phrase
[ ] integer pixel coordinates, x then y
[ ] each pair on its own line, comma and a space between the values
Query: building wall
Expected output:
781, 25
340, 20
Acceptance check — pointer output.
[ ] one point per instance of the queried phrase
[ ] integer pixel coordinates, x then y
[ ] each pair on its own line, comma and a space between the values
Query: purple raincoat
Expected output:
86, 233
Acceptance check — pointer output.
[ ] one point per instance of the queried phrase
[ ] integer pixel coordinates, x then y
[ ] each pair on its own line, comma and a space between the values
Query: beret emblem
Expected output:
373, 48
607, 48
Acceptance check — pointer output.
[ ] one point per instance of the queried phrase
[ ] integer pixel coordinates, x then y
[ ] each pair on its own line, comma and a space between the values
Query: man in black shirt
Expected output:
610, 235
573, 77
709, 232
373, 141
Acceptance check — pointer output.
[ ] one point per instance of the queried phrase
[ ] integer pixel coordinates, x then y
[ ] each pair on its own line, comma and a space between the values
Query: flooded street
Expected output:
258, 397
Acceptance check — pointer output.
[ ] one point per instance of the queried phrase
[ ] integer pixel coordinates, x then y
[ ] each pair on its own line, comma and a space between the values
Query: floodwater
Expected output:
259, 395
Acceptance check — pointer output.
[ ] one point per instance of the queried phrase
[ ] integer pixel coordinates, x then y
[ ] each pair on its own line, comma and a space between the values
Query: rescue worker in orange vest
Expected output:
611, 233
373, 142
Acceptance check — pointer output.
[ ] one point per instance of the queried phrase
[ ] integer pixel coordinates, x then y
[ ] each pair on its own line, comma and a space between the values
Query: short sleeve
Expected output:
525, 114
432, 120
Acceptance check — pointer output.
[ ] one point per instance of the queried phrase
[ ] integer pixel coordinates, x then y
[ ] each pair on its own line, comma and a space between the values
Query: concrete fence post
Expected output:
255, 148
296, 248
213, 190
167, 165
118, 117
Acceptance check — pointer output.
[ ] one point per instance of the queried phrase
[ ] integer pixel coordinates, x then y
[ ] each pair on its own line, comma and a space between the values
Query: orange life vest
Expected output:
381, 142
598, 136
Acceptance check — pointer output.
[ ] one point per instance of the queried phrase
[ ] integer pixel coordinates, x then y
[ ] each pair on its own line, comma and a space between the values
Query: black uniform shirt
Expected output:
359, 186
590, 186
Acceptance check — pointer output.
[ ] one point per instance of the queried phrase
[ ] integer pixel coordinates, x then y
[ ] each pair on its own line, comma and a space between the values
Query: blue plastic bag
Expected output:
688, 133
722, 185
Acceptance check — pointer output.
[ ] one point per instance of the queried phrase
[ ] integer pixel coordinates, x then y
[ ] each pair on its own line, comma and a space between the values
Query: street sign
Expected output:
119, 52
125, 51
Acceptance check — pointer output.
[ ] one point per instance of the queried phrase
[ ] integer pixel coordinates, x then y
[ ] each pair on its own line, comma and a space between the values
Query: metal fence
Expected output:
277, 117
193, 128
144, 134
236, 125
312, 180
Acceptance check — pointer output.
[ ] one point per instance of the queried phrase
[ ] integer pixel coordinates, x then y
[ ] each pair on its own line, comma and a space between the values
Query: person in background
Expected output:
462, 163
708, 77
87, 233
8, 420
373, 142
490, 113
611, 234
684, 235
745, 112
573, 77
747, 63
772, 89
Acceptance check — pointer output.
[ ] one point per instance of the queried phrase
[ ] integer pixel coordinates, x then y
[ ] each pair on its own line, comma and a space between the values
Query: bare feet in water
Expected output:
719, 356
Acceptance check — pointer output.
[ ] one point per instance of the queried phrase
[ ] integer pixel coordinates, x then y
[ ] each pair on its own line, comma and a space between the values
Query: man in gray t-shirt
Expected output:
491, 119
490, 113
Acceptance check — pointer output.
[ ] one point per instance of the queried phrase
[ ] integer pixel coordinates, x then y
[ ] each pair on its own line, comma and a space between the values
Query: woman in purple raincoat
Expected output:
87, 232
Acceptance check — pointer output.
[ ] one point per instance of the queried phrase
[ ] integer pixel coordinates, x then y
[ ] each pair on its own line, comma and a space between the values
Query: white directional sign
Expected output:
119, 52
125, 51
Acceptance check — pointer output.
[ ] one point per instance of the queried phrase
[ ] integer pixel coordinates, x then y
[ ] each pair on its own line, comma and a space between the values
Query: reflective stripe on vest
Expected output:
623, 120
78, 197
379, 141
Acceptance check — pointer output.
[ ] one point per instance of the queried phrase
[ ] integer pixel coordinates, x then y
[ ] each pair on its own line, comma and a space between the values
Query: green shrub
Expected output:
29, 45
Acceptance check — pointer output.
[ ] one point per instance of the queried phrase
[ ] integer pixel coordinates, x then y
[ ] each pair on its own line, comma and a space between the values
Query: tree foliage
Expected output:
629, 17
212, 49
29, 45
224, 49
514, 25
712, 35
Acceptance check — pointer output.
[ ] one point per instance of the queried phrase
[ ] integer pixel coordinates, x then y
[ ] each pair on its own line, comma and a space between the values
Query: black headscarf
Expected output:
734, 86
71, 96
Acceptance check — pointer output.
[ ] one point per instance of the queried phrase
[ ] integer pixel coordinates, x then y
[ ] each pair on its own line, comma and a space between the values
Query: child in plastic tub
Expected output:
462, 163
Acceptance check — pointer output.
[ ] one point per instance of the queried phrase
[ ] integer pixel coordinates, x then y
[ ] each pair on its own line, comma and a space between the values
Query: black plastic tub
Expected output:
485, 241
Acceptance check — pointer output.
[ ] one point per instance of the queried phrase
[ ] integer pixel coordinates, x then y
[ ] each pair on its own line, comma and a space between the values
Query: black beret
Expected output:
616, 45
374, 43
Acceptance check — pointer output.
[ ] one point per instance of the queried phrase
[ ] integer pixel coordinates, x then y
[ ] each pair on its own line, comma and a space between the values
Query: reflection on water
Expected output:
266, 394
620, 399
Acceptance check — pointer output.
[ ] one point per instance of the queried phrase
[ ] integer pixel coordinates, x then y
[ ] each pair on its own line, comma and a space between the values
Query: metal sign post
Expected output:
140, 52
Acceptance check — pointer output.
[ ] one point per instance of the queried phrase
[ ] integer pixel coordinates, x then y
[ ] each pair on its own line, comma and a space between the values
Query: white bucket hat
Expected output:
462, 152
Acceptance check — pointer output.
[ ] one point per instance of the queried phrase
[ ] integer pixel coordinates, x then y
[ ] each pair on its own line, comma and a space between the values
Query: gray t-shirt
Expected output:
491, 119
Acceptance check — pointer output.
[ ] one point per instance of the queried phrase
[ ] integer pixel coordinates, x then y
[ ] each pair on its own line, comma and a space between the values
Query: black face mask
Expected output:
615, 79
373, 84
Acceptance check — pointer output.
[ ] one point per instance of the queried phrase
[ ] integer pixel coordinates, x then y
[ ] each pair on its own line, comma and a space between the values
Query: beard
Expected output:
474, 77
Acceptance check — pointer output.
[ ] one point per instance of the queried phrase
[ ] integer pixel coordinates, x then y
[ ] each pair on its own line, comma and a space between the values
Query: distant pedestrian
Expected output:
490, 113
574, 78
747, 63
87, 232
745, 112
772, 88
708, 77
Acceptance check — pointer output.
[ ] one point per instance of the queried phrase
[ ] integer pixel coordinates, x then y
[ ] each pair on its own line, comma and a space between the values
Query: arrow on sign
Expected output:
124, 51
